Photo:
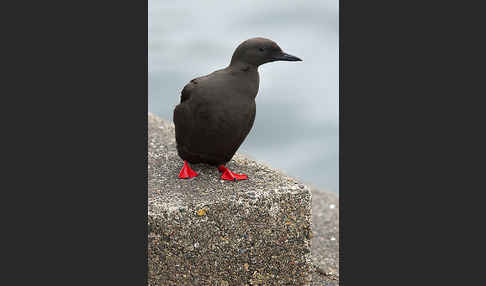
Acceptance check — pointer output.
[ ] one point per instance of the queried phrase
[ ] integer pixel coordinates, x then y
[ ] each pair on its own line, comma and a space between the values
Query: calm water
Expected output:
296, 125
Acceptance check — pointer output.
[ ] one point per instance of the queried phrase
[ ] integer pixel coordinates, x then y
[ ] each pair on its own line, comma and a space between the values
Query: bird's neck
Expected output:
246, 73
238, 66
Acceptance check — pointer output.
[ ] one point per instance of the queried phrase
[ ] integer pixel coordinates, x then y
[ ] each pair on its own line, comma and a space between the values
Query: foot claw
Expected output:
230, 176
186, 172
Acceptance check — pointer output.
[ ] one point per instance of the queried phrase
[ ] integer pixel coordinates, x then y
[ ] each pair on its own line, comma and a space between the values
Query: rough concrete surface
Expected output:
325, 238
206, 231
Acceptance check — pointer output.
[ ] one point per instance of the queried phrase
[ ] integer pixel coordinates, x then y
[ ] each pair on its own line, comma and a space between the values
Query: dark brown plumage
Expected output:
217, 111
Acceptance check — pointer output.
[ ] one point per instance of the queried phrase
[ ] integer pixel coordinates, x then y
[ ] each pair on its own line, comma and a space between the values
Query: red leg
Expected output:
187, 172
230, 176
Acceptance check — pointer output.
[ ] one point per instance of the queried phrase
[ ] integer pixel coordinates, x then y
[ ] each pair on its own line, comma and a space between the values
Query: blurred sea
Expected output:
296, 125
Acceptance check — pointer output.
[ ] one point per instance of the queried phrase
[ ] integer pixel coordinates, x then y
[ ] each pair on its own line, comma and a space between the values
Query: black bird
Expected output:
217, 111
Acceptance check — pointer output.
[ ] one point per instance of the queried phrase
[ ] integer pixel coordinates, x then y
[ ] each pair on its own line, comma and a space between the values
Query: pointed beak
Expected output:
286, 57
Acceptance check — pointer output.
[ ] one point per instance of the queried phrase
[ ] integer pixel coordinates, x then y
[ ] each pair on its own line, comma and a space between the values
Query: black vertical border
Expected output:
411, 142
341, 199
75, 188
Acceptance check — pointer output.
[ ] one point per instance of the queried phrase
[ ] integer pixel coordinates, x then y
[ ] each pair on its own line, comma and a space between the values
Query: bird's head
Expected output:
258, 51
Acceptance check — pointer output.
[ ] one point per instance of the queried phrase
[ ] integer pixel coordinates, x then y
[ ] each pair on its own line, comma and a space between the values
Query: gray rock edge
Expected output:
325, 205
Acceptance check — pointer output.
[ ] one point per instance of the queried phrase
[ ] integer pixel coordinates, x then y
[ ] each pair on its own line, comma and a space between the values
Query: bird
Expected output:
217, 111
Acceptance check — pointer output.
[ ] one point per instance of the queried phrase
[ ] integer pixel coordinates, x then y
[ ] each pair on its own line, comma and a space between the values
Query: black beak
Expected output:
286, 57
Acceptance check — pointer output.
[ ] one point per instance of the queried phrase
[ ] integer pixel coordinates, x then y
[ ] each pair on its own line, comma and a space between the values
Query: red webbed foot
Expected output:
187, 172
230, 176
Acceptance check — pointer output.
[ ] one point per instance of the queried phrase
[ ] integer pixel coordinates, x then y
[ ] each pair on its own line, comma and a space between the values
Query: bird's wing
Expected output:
187, 90
183, 118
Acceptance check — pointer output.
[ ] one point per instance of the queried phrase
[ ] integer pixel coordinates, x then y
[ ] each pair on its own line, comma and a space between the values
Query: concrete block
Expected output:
206, 231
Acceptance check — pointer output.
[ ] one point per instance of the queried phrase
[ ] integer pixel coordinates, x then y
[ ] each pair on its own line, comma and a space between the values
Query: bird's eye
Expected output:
261, 49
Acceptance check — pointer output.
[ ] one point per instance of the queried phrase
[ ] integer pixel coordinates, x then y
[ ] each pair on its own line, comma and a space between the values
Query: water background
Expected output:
296, 124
